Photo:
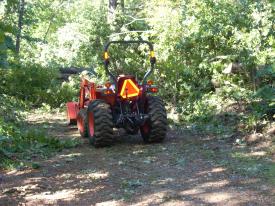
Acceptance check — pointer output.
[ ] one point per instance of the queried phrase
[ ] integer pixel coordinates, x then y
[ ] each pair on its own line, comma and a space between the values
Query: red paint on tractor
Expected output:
72, 111
80, 124
145, 128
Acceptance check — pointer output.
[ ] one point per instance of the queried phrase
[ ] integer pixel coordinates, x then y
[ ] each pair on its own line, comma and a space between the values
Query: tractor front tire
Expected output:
154, 129
82, 123
100, 123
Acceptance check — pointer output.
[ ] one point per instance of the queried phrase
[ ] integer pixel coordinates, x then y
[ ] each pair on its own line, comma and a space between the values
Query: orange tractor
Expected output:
124, 102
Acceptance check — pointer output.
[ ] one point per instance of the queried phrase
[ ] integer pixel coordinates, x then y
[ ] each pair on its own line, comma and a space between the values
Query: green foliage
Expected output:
245, 164
37, 85
19, 143
197, 40
6, 43
7, 32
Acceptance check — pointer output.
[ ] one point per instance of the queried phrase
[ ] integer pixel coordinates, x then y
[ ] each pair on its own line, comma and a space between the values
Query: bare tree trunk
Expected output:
253, 80
122, 5
20, 24
112, 10
48, 29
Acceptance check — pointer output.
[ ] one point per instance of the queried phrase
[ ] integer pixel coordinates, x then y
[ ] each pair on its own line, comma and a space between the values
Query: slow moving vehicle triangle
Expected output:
129, 89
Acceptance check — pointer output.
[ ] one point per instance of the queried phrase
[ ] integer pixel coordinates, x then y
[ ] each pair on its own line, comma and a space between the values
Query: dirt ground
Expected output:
177, 172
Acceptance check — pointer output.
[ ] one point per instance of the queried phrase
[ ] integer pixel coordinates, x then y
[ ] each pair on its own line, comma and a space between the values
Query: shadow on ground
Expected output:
180, 171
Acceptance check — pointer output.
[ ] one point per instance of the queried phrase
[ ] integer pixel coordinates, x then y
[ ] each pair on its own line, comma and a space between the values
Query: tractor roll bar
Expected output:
107, 58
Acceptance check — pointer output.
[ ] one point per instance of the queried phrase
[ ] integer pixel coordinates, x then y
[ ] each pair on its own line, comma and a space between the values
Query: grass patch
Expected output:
20, 150
243, 163
247, 165
269, 173
129, 186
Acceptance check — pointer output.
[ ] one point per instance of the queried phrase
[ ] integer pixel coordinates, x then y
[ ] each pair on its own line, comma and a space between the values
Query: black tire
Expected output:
154, 129
82, 123
101, 134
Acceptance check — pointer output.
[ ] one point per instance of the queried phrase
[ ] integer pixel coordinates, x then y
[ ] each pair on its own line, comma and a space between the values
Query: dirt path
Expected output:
180, 171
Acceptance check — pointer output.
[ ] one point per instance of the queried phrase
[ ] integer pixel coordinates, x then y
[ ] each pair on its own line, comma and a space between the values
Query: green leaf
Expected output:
9, 43
2, 37
266, 92
36, 165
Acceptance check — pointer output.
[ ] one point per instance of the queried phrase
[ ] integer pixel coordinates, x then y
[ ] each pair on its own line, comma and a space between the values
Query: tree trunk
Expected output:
48, 29
122, 5
20, 24
112, 10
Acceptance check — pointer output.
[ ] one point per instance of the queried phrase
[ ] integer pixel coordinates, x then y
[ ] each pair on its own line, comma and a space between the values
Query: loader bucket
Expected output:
72, 111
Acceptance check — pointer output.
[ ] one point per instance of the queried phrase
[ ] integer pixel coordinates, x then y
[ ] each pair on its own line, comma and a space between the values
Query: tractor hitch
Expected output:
133, 119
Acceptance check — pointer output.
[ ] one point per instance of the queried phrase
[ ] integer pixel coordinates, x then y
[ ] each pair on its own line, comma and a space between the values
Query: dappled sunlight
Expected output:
94, 175
214, 184
256, 154
18, 172
173, 173
163, 181
218, 169
33, 180
84, 175
212, 171
71, 155
193, 191
110, 203
52, 197
151, 199
38, 117
216, 197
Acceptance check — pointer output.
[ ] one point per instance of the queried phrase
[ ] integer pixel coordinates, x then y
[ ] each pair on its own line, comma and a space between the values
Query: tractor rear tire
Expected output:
100, 123
82, 123
154, 129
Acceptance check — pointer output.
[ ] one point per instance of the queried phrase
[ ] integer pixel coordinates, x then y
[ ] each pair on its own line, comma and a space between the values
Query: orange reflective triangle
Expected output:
129, 89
